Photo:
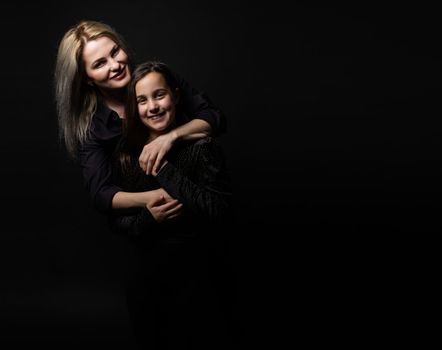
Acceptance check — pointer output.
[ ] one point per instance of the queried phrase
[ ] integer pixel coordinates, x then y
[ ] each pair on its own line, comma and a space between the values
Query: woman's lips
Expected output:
120, 75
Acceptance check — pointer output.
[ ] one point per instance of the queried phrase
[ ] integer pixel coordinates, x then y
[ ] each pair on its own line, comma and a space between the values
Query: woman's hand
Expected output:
165, 208
153, 153
156, 196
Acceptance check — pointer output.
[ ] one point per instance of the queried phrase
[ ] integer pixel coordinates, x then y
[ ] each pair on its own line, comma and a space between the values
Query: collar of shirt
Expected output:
106, 124
106, 115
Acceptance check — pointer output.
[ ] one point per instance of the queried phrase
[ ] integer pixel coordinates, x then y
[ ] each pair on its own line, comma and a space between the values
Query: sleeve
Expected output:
133, 223
97, 174
197, 105
209, 194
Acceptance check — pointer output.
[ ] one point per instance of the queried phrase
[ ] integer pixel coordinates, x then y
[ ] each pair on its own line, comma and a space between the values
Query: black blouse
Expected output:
106, 130
196, 175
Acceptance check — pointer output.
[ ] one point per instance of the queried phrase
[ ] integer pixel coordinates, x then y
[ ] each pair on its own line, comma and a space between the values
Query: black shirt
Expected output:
106, 129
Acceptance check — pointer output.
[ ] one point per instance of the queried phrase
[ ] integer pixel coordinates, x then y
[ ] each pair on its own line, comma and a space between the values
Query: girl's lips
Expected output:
159, 115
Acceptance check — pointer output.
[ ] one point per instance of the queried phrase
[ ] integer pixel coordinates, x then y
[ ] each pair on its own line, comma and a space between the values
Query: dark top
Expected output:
196, 175
106, 130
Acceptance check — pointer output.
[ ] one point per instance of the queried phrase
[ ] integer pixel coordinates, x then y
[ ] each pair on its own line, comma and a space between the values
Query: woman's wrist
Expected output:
174, 136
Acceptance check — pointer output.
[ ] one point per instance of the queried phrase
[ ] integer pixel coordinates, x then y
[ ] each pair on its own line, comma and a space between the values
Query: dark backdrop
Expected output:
333, 142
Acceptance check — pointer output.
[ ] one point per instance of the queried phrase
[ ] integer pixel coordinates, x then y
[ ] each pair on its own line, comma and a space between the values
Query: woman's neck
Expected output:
115, 100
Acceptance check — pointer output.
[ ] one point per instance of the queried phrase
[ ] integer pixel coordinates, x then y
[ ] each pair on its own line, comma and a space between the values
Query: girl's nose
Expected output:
153, 106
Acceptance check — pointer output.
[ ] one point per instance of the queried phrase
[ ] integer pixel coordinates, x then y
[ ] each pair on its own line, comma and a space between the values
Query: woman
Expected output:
93, 70
176, 299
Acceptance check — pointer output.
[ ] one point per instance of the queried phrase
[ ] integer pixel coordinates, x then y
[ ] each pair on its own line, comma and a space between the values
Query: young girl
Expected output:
175, 300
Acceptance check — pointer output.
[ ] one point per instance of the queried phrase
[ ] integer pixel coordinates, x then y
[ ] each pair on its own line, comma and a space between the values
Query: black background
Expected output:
333, 142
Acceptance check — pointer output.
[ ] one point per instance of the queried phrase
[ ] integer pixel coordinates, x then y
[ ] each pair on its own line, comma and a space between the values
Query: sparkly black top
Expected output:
195, 174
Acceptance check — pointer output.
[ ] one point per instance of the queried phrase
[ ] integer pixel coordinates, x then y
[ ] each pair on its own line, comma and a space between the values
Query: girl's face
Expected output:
106, 64
156, 103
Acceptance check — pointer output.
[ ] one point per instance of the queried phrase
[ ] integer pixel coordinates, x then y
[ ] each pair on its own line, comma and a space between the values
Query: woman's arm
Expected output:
95, 165
123, 200
94, 157
97, 177
142, 221
153, 153
197, 105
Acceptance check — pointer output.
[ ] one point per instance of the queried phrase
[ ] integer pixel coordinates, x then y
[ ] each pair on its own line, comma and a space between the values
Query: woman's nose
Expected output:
114, 65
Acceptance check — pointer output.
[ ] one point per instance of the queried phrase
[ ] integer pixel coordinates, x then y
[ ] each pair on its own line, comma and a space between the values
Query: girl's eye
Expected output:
160, 94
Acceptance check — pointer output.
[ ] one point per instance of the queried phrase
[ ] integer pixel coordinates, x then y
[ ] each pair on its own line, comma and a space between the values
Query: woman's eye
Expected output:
98, 65
115, 51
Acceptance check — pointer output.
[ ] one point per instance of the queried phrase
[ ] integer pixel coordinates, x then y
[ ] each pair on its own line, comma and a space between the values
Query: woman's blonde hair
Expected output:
76, 101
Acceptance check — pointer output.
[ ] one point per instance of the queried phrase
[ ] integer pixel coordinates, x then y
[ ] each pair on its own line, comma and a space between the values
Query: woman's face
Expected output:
106, 64
156, 103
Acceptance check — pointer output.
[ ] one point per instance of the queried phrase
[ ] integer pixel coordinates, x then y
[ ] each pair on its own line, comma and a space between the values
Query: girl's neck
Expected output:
154, 134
